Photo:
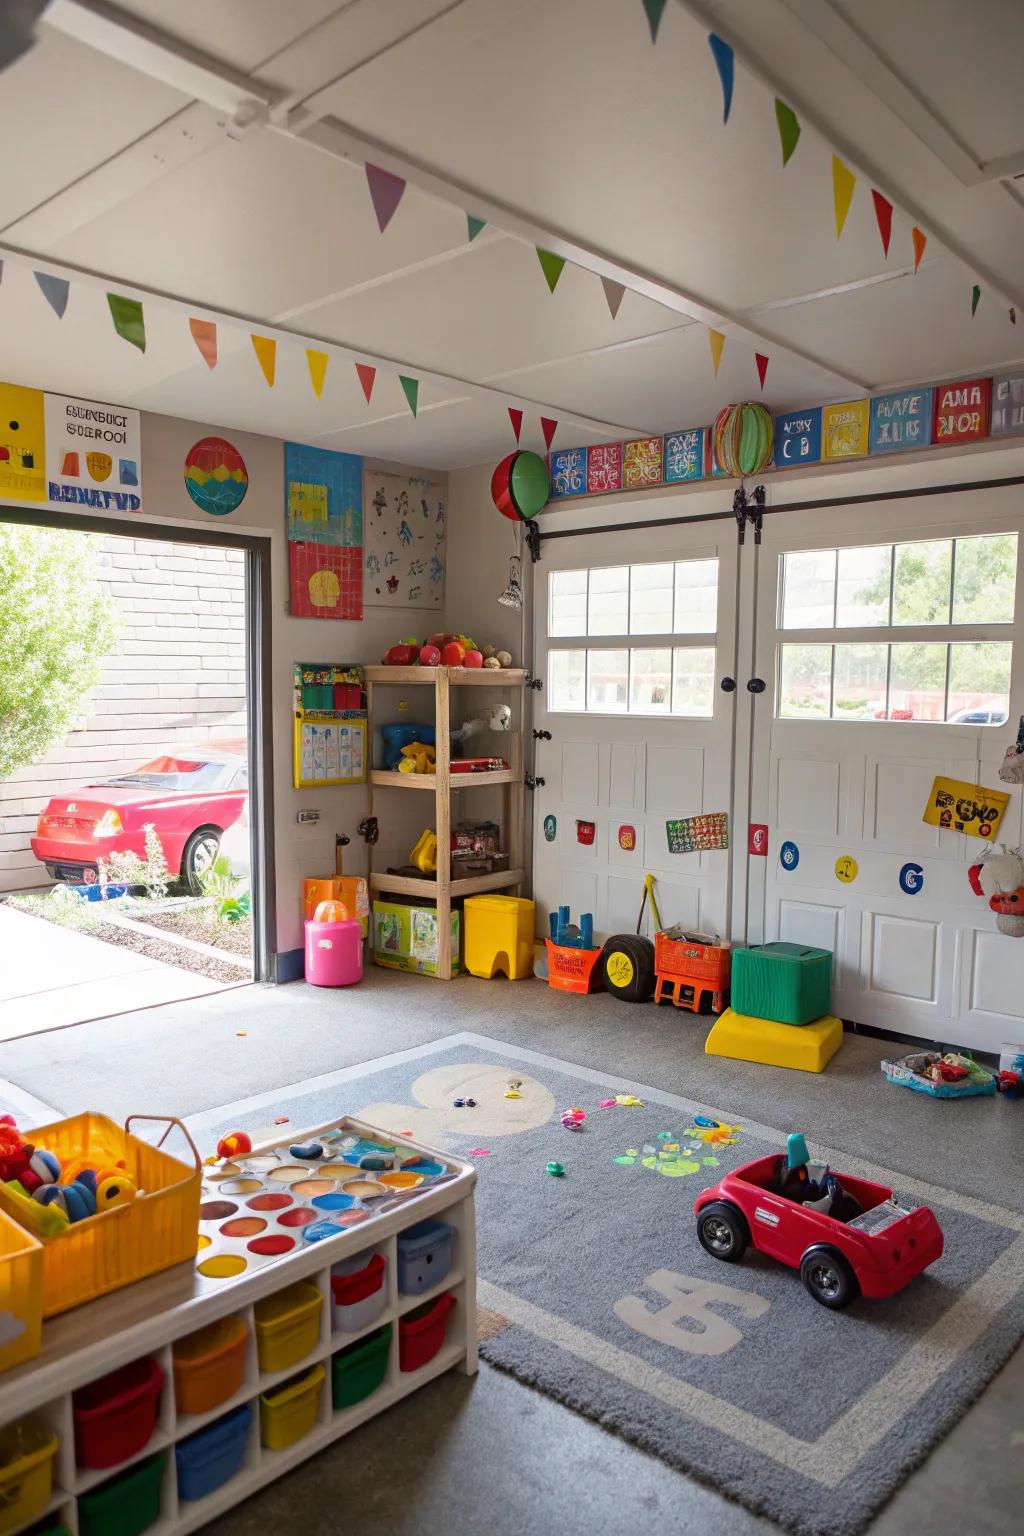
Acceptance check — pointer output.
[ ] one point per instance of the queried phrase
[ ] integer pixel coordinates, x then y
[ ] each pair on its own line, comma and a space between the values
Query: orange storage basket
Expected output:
570, 969
695, 955
209, 1366
21, 1294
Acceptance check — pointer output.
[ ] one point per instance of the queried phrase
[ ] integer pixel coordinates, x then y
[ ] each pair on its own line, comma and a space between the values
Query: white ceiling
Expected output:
560, 122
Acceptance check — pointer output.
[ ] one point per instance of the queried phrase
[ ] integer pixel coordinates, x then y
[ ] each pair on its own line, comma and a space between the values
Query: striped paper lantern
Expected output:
744, 439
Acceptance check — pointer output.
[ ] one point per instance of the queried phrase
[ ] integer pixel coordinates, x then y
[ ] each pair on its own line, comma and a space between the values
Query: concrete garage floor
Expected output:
491, 1455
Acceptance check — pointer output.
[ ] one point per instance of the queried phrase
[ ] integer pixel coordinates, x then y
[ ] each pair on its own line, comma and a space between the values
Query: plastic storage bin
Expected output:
788, 983
289, 1412
27, 1449
209, 1366
358, 1290
334, 952
287, 1326
359, 1369
212, 1455
127, 1505
421, 1332
21, 1293
424, 1256
499, 935
116, 1415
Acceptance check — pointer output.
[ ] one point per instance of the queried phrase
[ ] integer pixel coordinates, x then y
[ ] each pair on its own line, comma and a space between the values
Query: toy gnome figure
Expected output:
1001, 878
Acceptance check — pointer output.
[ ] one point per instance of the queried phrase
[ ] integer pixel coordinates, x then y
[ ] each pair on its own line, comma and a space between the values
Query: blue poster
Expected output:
323, 496
798, 438
900, 421
569, 472
684, 455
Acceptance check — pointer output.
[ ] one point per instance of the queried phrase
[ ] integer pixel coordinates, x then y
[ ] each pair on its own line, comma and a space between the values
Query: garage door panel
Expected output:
679, 901
897, 792
675, 781
579, 772
625, 770
903, 957
807, 795
996, 968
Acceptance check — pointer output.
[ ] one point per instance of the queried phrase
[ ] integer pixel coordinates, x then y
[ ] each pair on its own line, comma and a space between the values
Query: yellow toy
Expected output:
499, 936
418, 758
114, 1191
806, 1047
424, 855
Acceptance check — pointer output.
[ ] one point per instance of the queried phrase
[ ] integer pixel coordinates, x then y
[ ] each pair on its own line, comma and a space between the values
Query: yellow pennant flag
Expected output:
266, 352
317, 362
717, 341
843, 183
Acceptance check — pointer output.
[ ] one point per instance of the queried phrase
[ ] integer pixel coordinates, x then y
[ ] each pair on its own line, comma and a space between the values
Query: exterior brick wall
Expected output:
177, 676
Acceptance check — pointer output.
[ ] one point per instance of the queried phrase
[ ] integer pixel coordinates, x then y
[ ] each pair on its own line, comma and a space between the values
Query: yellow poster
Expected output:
967, 808
844, 430
22, 444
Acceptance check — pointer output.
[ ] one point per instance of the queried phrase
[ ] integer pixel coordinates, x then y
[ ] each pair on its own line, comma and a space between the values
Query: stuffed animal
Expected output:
1001, 878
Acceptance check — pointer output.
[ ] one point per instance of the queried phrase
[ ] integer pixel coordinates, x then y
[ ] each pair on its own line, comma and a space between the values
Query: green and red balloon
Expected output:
520, 486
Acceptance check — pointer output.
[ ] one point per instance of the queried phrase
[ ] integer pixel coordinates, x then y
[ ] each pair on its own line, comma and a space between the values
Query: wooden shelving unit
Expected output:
444, 784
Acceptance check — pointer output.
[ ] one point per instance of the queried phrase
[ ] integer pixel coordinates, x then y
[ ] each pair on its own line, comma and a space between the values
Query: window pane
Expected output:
696, 597
805, 682
921, 589
693, 681
917, 682
979, 683
860, 677
650, 600
567, 603
986, 577
567, 677
608, 605
650, 682
862, 586
607, 681
809, 583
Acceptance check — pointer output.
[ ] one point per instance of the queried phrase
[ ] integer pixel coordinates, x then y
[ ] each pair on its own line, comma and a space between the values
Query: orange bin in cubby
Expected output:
209, 1366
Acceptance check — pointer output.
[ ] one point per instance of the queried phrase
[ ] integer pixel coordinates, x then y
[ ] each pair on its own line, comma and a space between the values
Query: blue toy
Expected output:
401, 735
567, 934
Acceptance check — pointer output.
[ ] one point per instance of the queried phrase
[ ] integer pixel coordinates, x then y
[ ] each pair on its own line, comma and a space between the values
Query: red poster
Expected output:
604, 468
961, 411
326, 581
757, 839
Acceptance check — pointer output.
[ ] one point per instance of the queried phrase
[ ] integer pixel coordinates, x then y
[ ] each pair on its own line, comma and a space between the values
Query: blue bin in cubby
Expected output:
209, 1457
424, 1256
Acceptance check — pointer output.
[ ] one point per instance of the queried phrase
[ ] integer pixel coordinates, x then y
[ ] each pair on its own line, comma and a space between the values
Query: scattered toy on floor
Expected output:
556, 1170
953, 1075
572, 1119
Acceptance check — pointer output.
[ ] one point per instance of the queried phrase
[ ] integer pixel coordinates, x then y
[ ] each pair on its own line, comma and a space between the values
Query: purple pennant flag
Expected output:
55, 291
386, 191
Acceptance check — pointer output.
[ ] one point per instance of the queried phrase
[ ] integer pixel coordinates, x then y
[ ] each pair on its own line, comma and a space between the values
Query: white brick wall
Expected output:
177, 676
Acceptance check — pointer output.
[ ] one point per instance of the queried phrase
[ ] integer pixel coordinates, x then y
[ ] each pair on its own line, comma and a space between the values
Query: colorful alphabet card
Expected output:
698, 834
966, 808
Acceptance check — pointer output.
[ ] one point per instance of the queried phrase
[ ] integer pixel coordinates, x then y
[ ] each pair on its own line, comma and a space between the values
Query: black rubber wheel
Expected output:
722, 1231
829, 1278
627, 965
197, 857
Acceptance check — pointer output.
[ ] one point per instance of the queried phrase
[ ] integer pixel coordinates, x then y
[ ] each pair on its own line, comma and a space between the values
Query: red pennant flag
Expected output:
516, 418
386, 191
204, 334
762, 366
920, 240
366, 378
883, 215
549, 428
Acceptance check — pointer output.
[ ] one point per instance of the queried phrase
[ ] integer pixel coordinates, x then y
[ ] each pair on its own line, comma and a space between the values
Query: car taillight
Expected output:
109, 825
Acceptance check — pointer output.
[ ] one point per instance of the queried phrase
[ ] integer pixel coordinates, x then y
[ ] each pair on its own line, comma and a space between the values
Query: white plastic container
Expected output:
359, 1291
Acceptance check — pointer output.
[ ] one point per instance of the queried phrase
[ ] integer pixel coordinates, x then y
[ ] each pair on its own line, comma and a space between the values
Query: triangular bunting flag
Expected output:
789, 129
723, 56
762, 366
128, 320
367, 374
654, 9
411, 390
975, 300
204, 334
920, 240
551, 265
613, 293
516, 418
55, 291
386, 191
317, 362
883, 215
843, 183
717, 341
549, 428
266, 352
474, 225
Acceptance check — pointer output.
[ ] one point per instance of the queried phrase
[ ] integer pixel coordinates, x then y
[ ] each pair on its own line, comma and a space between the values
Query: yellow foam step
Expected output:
805, 1047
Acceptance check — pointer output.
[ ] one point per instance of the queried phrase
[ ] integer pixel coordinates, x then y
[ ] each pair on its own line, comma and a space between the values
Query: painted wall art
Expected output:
215, 476
406, 540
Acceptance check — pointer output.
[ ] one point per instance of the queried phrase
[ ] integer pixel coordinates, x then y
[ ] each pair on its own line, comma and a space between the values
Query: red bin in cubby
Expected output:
421, 1332
115, 1417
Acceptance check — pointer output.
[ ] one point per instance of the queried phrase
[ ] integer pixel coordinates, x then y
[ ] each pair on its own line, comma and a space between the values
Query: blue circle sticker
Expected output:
912, 879
550, 828
789, 855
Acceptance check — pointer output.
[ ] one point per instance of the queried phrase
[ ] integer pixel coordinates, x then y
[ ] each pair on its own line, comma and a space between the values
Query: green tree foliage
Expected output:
56, 625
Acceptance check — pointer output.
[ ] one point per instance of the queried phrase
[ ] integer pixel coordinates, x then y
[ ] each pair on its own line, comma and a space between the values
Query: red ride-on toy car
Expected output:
870, 1247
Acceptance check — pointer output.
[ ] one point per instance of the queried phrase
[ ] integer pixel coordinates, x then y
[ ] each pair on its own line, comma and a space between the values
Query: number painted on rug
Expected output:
687, 1303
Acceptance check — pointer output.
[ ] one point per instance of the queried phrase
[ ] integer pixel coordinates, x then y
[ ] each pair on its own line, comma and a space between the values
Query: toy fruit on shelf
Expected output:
445, 648
453, 654
430, 656
473, 659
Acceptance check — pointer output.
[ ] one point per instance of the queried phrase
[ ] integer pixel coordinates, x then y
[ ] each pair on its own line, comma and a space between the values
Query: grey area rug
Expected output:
597, 1292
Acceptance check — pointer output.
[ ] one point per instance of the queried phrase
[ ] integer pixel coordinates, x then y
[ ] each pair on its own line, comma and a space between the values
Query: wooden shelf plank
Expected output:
391, 780
458, 677
403, 885
471, 885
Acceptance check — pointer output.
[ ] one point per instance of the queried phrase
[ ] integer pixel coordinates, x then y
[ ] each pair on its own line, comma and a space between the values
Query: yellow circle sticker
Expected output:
847, 869
619, 969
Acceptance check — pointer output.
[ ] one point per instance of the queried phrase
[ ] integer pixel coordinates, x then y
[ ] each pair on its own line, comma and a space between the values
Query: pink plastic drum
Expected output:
334, 953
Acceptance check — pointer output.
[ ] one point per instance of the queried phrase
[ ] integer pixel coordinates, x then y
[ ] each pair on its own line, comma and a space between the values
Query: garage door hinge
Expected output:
532, 782
534, 682
749, 510
542, 735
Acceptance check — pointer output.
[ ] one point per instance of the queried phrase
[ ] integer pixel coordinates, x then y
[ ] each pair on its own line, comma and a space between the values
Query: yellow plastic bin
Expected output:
287, 1326
21, 1294
289, 1412
27, 1449
499, 936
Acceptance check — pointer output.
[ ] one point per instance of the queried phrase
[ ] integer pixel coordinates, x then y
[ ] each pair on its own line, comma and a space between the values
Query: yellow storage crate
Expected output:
499, 935
158, 1229
287, 1325
289, 1412
27, 1449
21, 1294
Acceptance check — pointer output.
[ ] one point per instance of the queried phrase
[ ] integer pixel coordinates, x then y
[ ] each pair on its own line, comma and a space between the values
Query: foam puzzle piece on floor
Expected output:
806, 1048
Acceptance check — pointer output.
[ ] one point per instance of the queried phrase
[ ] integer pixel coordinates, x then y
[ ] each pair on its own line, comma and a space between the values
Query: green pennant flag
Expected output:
411, 390
975, 300
551, 265
128, 319
789, 129
475, 225
654, 9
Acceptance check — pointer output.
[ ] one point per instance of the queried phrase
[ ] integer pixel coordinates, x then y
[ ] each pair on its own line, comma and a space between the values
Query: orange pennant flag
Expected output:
266, 352
317, 362
843, 183
717, 341
204, 334
920, 240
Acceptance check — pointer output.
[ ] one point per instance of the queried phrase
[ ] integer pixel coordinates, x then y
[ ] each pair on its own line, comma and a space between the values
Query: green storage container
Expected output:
359, 1369
48, 1529
127, 1505
789, 983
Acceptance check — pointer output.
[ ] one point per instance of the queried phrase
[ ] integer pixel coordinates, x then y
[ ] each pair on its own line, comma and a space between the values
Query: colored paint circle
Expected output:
403, 1180
223, 1266
912, 879
225, 1171
847, 869
203, 1242
337, 1171
215, 476
270, 1202
244, 1226
425, 1166
287, 1173
261, 1164
273, 1244
241, 1186
333, 1202
312, 1187
365, 1189
301, 1216
350, 1218
319, 1230
216, 1210
789, 855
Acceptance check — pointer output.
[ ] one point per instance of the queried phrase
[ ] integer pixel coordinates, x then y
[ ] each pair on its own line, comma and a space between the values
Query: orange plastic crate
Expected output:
569, 969
695, 955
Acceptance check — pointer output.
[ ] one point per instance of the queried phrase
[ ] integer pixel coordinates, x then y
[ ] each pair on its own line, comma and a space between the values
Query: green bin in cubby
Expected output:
789, 983
360, 1368
127, 1505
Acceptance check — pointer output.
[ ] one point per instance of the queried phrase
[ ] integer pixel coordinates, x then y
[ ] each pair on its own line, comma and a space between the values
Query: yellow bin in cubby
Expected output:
499, 936
287, 1325
21, 1294
27, 1449
289, 1412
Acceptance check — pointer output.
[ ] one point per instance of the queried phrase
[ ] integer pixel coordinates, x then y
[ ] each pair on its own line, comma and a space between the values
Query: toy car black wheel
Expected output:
829, 1278
722, 1231
627, 964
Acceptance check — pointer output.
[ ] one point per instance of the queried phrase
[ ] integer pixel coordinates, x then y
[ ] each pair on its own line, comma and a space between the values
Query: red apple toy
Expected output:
453, 654
473, 659
430, 656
